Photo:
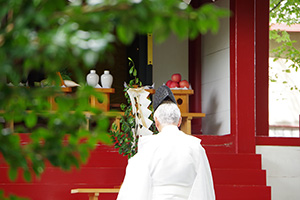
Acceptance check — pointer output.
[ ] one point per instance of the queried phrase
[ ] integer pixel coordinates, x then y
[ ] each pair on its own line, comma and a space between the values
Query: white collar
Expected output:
168, 128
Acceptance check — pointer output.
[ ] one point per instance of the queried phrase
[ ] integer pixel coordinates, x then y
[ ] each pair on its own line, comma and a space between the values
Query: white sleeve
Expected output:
137, 183
203, 186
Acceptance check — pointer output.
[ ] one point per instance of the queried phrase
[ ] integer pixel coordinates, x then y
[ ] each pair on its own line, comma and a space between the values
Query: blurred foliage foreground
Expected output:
49, 36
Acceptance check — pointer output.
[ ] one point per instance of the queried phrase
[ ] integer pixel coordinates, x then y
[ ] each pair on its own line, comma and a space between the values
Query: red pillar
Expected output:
242, 72
262, 66
195, 81
195, 77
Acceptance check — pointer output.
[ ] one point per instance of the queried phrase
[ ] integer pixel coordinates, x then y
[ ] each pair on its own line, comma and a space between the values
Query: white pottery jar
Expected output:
106, 79
92, 78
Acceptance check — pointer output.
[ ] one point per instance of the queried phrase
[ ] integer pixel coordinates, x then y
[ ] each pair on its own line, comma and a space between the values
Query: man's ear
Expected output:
157, 124
179, 122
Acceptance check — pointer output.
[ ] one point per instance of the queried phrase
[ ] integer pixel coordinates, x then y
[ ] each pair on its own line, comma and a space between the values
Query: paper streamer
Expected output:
140, 103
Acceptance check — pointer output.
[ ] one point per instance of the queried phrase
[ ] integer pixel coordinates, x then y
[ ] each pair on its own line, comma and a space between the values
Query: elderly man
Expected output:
170, 165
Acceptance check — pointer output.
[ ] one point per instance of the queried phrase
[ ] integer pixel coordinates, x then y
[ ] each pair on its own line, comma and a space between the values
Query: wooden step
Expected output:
217, 144
242, 192
239, 177
96, 176
36, 191
110, 177
234, 161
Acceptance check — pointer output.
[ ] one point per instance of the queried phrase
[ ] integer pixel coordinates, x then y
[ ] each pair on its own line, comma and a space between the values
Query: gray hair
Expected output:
167, 113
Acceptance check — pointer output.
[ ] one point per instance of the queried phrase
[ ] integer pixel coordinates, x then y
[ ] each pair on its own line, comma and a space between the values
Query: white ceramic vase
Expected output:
92, 78
106, 79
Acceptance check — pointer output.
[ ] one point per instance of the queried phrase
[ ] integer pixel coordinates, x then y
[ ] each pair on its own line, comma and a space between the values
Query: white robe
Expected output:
168, 166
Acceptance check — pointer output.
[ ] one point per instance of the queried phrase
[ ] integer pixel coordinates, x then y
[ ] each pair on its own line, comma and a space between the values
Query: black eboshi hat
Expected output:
163, 93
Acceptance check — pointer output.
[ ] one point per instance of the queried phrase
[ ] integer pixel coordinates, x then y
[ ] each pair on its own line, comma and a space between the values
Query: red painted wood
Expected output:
241, 192
195, 76
277, 141
242, 75
233, 100
99, 177
262, 66
105, 169
51, 192
234, 161
239, 177
195, 81
218, 144
99, 156
238, 173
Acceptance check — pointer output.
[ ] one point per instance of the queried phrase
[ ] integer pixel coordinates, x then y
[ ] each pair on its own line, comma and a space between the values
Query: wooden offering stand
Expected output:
51, 99
64, 89
105, 104
182, 99
94, 193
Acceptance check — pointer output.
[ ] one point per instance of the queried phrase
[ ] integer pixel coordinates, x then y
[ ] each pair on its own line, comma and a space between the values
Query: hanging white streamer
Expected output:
140, 102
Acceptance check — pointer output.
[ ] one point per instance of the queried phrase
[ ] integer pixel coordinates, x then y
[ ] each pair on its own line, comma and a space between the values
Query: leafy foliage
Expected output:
62, 139
50, 36
11, 197
124, 137
285, 12
133, 73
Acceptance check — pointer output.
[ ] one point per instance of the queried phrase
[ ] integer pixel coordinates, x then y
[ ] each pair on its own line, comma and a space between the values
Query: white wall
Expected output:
172, 57
283, 170
169, 58
216, 79
284, 103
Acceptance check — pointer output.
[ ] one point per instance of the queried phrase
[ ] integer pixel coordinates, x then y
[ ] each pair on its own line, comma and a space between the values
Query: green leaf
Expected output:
114, 126
123, 106
134, 72
131, 61
12, 173
131, 70
105, 138
103, 123
31, 119
27, 175
124, 34
120, 151
84, 153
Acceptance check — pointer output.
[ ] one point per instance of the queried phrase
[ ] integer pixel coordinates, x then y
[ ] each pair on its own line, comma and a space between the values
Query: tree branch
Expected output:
276, 6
